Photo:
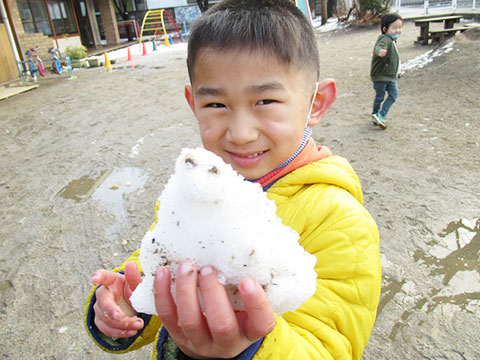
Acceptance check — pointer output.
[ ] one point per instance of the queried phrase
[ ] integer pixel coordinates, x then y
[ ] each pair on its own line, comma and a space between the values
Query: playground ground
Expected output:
82, 162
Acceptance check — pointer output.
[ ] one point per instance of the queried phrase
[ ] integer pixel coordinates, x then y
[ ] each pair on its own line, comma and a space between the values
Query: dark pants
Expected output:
382, 87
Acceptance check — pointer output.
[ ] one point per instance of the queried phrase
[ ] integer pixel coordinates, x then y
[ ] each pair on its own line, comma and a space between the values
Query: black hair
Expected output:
276, 27
387, 20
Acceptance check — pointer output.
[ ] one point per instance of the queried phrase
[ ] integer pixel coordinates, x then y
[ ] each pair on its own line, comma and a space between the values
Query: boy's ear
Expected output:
189, 97
325, 96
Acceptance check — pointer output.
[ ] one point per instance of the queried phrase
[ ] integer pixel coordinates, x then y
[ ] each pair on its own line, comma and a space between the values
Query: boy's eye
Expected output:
215, 105
265, 102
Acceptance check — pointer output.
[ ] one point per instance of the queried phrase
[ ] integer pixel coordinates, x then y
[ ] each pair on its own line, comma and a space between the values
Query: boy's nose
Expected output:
241, 129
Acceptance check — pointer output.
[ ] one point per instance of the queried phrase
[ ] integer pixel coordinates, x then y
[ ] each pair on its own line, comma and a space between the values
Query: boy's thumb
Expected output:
132, 275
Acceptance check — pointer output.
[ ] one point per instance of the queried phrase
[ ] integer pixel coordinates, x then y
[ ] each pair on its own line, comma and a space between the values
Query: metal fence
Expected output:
434, 5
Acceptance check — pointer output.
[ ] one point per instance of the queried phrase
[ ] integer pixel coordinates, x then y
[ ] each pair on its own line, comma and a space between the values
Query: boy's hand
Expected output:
218, 331
114, 315
382, 52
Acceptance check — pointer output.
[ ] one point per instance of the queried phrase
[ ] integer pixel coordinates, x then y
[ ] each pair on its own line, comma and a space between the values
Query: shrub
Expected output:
76, 52
373, 8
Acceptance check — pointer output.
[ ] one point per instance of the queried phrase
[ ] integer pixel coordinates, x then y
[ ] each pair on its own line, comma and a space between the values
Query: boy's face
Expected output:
251, 109
395, 27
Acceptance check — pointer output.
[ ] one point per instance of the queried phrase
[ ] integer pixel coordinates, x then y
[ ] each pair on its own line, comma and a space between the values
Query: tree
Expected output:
324, 12
311, 3
203, 5
367, 9
331, 8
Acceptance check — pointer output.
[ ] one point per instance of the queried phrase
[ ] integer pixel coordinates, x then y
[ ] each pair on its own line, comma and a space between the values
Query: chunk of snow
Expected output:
208, 213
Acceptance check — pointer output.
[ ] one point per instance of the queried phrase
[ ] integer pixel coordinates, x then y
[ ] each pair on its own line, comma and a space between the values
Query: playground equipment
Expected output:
56, 65
33, 64
26, 68
304, 7
157, 24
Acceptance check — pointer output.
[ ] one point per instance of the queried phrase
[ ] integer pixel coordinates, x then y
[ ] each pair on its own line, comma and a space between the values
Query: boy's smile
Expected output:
251, 108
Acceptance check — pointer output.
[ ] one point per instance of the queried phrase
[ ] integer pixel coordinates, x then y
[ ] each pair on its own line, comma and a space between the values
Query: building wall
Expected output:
8, 66
27, 41
163, 4
109, 21
68, 41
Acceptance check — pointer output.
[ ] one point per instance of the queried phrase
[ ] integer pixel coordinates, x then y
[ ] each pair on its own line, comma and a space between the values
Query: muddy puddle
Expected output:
108, 189
454, 258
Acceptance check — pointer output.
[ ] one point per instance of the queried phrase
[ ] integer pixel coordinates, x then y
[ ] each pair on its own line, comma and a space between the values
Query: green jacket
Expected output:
385, 68
322, 201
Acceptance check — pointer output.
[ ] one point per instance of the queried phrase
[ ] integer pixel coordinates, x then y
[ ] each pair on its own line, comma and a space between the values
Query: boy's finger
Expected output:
190, 316
105, 304
109, 313
221, 318
165, 305
104, 277
132, 275
261, 318
114, 332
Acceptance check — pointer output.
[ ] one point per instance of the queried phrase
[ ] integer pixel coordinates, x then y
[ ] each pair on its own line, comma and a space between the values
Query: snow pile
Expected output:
331, 25
211, 215
422, 60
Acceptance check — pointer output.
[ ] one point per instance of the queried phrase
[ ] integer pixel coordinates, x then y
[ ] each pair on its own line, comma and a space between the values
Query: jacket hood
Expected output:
332, 170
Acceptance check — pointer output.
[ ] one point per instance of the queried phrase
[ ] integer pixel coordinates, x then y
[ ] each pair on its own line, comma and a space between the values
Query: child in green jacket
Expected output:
255, 92
385, 68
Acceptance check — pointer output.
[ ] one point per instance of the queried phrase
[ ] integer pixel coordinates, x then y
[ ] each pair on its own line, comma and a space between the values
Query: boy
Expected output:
385, 68
253, 67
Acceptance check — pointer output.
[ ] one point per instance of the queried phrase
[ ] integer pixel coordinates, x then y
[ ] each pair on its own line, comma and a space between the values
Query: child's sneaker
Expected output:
380, 120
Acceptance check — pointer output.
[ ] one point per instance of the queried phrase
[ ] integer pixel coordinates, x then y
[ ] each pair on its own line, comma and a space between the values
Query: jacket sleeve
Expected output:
382, 43
143, 337
337, 321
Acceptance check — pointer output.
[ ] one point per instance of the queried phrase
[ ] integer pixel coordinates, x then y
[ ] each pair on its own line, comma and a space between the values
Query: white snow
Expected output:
422, 60
454, 240
462, 282
331, 25
211, 215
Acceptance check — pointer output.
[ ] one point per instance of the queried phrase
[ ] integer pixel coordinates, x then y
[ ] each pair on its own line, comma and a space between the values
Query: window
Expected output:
38, 16
62, 16
34, 17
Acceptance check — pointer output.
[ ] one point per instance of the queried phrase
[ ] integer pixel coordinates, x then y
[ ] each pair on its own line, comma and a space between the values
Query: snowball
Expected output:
208, 213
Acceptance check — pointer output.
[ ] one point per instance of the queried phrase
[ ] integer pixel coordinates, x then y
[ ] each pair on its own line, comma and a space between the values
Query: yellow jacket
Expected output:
322, 201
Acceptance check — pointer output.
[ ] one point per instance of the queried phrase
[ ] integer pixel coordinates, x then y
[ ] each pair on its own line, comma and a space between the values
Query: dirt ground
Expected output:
82, 162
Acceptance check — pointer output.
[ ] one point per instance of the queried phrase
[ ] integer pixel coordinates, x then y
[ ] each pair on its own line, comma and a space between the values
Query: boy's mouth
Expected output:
247, 159
255, 154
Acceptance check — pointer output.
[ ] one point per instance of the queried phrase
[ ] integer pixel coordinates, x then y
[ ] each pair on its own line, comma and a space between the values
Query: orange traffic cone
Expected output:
130, 57
144, 49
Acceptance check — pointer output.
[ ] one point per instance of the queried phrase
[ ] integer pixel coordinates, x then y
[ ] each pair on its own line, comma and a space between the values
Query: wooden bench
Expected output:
439, 36
424, 24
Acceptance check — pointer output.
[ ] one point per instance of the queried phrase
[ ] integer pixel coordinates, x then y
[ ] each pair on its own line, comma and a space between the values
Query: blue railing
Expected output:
24, 69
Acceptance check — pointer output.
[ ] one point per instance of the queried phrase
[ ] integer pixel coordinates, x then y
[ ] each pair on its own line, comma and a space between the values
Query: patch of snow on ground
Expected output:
332, 24
422, 60
463, 282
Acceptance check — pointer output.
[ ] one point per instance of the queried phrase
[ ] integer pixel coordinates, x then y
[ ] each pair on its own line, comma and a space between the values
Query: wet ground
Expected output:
82, 162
